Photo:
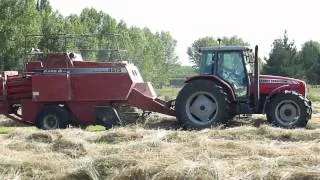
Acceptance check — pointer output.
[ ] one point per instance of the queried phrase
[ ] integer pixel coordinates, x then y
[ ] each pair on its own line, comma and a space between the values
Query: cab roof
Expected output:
225, 48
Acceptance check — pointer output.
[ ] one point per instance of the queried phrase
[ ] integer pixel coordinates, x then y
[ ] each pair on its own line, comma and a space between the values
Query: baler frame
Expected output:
66, 38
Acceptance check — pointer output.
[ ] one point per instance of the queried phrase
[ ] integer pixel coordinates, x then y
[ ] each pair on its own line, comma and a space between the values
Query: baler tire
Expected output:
57, 113
189, 95
293, 100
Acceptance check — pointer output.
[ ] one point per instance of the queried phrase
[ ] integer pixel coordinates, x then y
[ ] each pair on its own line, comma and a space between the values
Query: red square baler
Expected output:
63, 90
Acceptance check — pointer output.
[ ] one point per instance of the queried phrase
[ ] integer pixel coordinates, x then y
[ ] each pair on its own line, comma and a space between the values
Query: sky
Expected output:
256, 21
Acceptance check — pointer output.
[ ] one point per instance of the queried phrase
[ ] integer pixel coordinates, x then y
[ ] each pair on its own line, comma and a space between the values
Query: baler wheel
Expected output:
288, 110
52, 117
202, 104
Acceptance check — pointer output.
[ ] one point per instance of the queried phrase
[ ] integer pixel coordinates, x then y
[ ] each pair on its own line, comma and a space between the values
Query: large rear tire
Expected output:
202, 104
52, 117
288, 110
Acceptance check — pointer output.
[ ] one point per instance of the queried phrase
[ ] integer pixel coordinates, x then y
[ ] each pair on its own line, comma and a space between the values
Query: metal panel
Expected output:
100, 86
51, 88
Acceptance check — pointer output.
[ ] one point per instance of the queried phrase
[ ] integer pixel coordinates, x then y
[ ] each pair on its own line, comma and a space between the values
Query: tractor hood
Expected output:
279, 79
270, 83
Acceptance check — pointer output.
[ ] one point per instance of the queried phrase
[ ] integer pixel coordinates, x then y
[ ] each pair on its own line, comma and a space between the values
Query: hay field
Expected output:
157, 149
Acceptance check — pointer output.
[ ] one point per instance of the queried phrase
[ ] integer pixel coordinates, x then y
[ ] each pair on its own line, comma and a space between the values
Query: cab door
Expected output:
231, 68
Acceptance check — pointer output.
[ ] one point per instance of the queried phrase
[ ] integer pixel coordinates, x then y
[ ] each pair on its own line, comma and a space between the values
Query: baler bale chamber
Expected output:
60, 88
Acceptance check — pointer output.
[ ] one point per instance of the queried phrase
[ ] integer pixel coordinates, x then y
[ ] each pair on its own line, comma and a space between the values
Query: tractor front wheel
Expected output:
201, 104
288, 110
52, 117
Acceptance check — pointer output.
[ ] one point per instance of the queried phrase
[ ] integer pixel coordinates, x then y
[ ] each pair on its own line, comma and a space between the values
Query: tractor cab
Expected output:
233, 64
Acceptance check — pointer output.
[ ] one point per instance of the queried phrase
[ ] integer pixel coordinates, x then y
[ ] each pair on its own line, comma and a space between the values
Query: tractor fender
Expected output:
279, 89
225, 85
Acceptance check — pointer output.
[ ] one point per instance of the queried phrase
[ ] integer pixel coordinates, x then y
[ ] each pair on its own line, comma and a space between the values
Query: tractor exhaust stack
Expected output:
256, 79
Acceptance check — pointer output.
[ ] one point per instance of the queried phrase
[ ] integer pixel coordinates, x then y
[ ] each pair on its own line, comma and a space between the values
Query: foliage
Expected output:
183, 71
283, 58
193, 51
168, 93
17, 19
309, 58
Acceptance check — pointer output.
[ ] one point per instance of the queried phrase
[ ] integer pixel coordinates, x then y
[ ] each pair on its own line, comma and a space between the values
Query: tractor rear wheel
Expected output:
202, 104
288, 110
52, 117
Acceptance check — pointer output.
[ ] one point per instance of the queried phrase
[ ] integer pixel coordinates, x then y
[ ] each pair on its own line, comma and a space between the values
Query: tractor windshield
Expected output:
207, 62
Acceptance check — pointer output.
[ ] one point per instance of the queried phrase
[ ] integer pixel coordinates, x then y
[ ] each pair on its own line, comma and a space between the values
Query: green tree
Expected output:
168, 57
17, 19
153, 54
309, 58
193, 51
43, 5
283, 58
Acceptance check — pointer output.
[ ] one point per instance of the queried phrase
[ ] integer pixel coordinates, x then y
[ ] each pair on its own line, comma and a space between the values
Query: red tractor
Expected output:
229, 84
60, 88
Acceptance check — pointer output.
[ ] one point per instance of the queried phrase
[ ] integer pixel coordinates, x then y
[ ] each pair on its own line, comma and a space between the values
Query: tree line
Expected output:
153, 53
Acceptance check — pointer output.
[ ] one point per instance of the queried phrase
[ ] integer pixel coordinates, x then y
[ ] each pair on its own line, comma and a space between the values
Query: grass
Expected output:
136, 152
158, 149
6, 130
95, 128
313, 94
168, 93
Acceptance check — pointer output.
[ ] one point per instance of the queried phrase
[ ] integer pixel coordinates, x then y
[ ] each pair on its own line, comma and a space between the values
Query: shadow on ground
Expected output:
251, 121
11, 123
159, 122
170, 123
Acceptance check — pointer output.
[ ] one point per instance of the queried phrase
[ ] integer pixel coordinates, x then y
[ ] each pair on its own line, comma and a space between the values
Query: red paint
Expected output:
137, 99
268, 88
100, 87
51, 88
30, 66
57, 60
30, 109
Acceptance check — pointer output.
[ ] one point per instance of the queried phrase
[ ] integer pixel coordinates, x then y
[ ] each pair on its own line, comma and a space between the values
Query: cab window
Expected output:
232, 70
207, 62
